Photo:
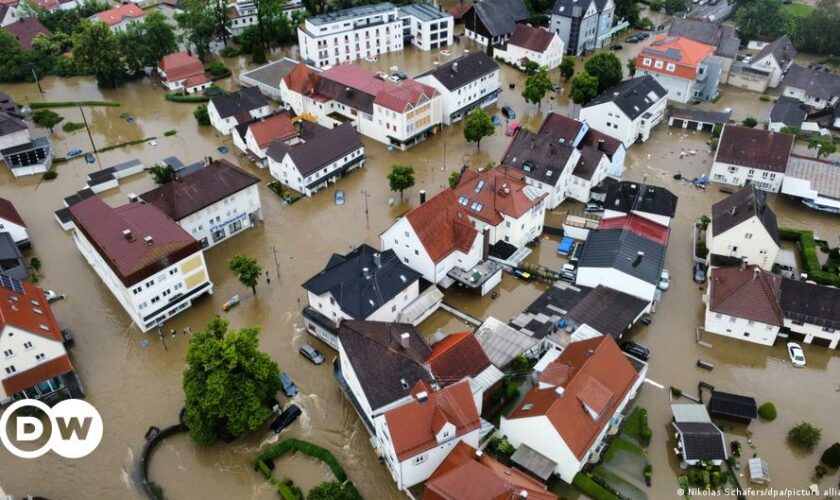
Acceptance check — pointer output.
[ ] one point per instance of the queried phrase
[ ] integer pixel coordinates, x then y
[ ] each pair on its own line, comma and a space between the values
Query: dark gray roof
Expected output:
423, 11
721, 36
816, 82
339, 92
271, 74
463, 70
725, 404
741, 206
789, 111
11, 260
716, 117
809, 303
782, 50
588, 162
351, 13
357, 295
386, 371
627, 196
537, 156
701, 441
11, 123
8, 105
321, 148
570, 8
561, 297
619, 249
239, 102
634, 96
608, 311
500, 16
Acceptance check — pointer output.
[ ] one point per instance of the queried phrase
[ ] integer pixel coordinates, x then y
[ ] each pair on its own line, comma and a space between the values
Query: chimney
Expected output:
755, 273
639, 256
422, 396
455, 67
559, 391
478, 454
523, 494
600, 144
148, 240
422, 196
127, 234
366, 272
404, 340
377, 259
743, 264
132, 197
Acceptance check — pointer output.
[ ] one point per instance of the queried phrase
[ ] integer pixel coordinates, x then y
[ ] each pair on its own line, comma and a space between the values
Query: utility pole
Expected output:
95, 154
37, 81
367, 214
276, 263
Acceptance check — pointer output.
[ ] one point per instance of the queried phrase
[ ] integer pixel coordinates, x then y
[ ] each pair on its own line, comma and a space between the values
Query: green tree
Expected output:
656, 5
818, 32
217, 68
631, 67
536, 86
159, 38
219, 8
477, 126
454, 178
606, 68
672, 6
401, 178
628, 10
229, 383
831, 456
246, 269
567, 67
805, 436
316, 7
202, 116
198, 26
46, 118
824, 147
761, 18
97, 52
333, 490
268, 15
584, 88
489, 49
14, 60
749, 122
162, 174
530, 67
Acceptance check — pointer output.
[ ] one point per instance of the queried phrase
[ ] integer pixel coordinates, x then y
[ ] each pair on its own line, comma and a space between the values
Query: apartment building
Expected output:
426, 27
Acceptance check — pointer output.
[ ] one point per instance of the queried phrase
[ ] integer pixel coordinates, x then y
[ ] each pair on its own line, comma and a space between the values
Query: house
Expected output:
744, 229
817, 88
742, 302
689, 70
698, 439
579, 134
531, 44
29, 158
501, 205
546, 163
228, 111
645, 200
25, 30
396, 114
437, 240
628, 110
13, 129
11, 260
815, 182
255, 137
242, 14
210, 204
751, 155
151, 265
735, 407
494, 21
182, 71
416, 437
118, 18
268, 77
11, 222
9, 12
721, 36
574, 404
464, 84
34, 362
364, 284
790, 113
374, 30
469, 474
426, 27
584, 26
319, 157
460, 356
775, 59
52, 5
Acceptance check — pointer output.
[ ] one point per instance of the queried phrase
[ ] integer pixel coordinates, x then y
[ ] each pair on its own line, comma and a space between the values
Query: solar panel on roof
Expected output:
10, 283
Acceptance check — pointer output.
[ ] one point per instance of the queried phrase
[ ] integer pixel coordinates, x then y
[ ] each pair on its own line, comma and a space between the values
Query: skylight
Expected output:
479, 186
463, 200
476, 206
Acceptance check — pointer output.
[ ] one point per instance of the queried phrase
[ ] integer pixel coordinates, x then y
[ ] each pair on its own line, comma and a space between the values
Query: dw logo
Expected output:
75, 428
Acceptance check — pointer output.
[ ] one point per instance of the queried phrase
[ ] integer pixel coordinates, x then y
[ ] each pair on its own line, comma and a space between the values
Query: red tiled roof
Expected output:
638, 225
10, 213
600, 376
748, 293
457, 356
133, 260
194, 81
181, 66
412, 425
302, 79
115, 16
37, 374
531, 38
396, 97
442, 226
277, 128
688, 54
503, 193
25, 30
20, 310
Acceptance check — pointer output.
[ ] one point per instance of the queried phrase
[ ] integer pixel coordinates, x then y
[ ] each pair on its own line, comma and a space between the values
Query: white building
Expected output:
493, 21
243, 14
319, 156
744, 228
8, 13
817, 88
228, 111
816, 182
775, 59
11, 222
578, 400
563, 129
531, 44
466, 83
182, 71
426, 27
546, 163
346, 35
751, 155
22, 154
628, 110
254, 138
13, 130
151, 265
120, 17
687, 69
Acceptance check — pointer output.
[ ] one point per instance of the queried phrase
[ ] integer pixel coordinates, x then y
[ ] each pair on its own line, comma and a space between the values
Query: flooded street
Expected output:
135, 387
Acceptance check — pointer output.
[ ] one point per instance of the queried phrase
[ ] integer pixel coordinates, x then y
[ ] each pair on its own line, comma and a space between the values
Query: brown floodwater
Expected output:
135, 387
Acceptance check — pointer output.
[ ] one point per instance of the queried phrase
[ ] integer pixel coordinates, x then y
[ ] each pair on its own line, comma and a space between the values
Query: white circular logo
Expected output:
75, 428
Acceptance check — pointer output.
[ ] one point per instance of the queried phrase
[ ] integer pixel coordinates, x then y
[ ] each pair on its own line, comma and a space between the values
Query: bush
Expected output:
503, 446
202, 116
216, 68
702, 251
170, 133
186, 98
315, 451
656, 5
587, 486
695, 477
805, 436
767, 411
521, 362
820, 470
157, 491
645, 23
765, 98
230, 51
716, 131
50, 175
831, 456
71, 104
646, 434
70, 127
749, 122
676, 392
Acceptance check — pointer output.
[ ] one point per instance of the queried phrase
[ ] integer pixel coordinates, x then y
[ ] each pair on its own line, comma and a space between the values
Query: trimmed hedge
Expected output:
808, 249
72, 104
315, 451
767, 411
589, 487
186, 98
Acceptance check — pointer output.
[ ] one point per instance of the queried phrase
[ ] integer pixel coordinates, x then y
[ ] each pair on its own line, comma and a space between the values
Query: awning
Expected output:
534, 462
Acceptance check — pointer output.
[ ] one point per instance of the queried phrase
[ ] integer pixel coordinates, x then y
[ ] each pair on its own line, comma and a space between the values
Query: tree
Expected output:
202, 116
197, 24
454, 178
824, 147
831, 456
246, 269
749, 122
760, 18
333, 490
97, 52
489, 49
316, 7
219, 8
767, 411
162, 174
159, 38
401, 178
805, 436
46, 118
567, 67
656, 5
606, 68
536, 86
584, 88
268, 15
672, 6
631, 67
477, 126
628, 10
530, 67
229, 384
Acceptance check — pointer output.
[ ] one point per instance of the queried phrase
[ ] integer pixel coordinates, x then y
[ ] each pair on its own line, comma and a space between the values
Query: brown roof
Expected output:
457, 356
302, 79
187, 195
588, 162
115, 16
754, 148
133, 259
742, 206
181, 66
279, 127
25, 30
599, 377
559, 127
749, 293
531, 38
412, 425
43, 371
442, 226
502, 192
28, 311
9, 212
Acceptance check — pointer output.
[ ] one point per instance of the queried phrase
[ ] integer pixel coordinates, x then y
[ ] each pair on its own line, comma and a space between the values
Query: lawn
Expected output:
632, 425
798, 9
625, 488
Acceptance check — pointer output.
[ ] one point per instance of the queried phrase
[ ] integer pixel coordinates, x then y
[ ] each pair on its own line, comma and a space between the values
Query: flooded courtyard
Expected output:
135, 387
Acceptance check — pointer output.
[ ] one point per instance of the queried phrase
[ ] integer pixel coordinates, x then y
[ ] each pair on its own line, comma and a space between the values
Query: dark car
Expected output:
617, 46
643, 36
555, 87
312, 354
637, 350
508, 112
645, 319
289, 387
699, 272
400, 75
286, 418
633, 39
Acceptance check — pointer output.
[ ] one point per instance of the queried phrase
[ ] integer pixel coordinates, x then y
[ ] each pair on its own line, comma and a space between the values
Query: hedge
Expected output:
71, 104
767, 411
186, 98
129, 143
289, 445
589, 487
808, 248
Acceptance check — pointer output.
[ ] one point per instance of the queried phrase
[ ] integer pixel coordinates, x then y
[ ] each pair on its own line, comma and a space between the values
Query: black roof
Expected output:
355, 294
634, 96
809, 303
560, 296
781, 49
10, 122
238, 102
742, 206
463, 70
8, 105
500, 16
619, 249
608, 311
538, 157
789, 111
588, 162
385, 370
321, 147
627, 196
700, 115
725, 404
700, 30
572, 8
701, 441
820, 83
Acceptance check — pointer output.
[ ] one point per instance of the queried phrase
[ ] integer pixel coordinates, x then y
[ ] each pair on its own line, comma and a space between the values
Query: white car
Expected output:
664, 280
797, 356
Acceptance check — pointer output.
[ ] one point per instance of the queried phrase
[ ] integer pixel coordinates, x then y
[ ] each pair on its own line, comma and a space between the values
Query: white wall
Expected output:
16, 231
736, 175
804, 97
748, 240
338, 40
616, 280
223, 215
739, 328
454, 102
679, 89
23, 358
14, 139
550, 57
769, 64
540, 435
422, 32
287, 172
812, 332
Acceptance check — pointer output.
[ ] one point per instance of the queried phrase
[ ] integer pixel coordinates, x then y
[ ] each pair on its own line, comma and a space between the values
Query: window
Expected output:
8, 353
10, 369
748, 236
173, 271
218, 234
27, 345
658, 64
671, 67
204, 243
463, 200
732, 319
419, 459
718, 316
828, 330
40, 357
236, 226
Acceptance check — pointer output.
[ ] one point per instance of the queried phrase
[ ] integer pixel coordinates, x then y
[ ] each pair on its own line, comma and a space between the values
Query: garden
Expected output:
825, 273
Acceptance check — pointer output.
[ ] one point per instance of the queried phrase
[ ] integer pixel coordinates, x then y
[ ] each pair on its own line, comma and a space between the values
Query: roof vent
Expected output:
403, 383
127, 234
403, 278
366, 273
132, 197
455, 67
405, 338
479, 454
559, 391
422, 396
590, 352
148, 240
523, 494
377, 259
600, 144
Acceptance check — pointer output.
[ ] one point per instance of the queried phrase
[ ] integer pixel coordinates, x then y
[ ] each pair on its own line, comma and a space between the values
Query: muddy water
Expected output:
135, 387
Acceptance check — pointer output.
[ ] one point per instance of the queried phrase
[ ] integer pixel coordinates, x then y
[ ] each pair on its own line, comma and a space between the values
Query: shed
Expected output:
759, 472
733, 407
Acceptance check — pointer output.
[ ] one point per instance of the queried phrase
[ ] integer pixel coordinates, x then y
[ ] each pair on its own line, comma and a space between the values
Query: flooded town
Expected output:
525, 271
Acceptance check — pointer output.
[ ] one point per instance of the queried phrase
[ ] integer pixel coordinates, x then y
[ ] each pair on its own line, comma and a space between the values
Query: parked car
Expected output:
568, 273
556, 87
508, 112
644, 36
400, 75
286, 418
74, 153
797, 356
339, 197
512, 128
522, 275
617, 46
289, 387
664, 280
699, 272
312, 354
633, 39
593, 206
637, 350
646, 319
89, 158
52, 296
496, 120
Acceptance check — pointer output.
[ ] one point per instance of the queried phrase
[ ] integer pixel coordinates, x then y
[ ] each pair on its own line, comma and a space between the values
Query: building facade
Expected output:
687, 69
583, 26
464, 84
228, 111
751, 156
744, 228
531, 44
426, 27
629, 110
